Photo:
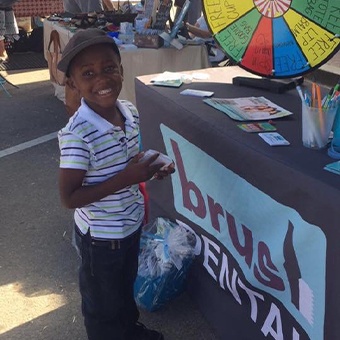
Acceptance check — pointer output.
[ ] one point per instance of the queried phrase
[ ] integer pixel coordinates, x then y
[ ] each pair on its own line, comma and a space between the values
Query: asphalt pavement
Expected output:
39, 297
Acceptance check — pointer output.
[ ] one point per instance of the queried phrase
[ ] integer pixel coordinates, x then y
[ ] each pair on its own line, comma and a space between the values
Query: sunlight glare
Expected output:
18, 308
27, 76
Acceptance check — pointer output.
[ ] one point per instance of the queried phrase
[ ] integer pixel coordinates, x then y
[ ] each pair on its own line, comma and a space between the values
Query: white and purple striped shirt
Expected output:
89, 142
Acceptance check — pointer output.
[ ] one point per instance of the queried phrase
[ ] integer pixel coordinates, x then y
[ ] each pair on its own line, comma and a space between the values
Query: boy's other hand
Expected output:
165, 171
140, 170
168, 166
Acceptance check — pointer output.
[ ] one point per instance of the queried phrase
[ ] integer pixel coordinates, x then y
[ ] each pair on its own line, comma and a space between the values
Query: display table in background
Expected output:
267, 219
141, 61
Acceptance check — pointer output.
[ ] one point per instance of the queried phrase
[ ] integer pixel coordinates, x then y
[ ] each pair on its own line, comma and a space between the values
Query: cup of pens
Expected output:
317, 119
316, 126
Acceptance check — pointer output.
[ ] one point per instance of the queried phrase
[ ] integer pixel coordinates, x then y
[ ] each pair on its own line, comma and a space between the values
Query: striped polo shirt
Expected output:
89, 142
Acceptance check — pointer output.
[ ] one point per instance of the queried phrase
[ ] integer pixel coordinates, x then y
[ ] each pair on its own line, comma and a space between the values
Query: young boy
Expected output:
100, 169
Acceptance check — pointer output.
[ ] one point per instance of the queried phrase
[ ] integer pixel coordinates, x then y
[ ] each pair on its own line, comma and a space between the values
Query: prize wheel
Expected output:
275, 38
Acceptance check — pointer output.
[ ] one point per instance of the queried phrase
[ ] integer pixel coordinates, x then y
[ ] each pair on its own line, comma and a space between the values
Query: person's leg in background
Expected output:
194, 12
94, 5
3, 53
108, 5
71, 6
8, 28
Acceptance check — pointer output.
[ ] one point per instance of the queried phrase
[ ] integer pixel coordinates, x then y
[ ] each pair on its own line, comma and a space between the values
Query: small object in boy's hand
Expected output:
161, 159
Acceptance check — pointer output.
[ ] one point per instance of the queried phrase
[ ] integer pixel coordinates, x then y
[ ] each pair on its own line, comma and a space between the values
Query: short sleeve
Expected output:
74, 152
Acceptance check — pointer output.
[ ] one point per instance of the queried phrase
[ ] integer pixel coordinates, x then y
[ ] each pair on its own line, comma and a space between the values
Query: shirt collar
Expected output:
86, 113
124, 109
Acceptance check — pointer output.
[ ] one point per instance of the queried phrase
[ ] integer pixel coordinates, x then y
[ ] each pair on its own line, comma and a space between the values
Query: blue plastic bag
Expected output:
166, 253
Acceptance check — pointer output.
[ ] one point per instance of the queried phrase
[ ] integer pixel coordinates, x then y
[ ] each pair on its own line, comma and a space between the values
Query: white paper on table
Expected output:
197, 93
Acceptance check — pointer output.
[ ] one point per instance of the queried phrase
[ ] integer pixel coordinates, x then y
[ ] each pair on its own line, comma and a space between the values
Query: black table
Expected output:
266, 218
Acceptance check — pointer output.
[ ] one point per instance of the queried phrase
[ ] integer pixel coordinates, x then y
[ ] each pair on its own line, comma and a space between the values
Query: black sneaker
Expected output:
140, 332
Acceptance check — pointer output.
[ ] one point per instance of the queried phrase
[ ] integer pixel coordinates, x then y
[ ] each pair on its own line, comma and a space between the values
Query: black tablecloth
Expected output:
266, 217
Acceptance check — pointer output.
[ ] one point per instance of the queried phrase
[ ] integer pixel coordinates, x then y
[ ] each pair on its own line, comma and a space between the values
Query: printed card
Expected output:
274, 138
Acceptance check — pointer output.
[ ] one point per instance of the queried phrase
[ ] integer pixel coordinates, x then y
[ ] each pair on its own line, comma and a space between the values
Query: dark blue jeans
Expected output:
106, 280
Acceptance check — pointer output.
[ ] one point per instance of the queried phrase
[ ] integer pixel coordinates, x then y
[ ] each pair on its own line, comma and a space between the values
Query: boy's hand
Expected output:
140, 170
168, 166
165, 171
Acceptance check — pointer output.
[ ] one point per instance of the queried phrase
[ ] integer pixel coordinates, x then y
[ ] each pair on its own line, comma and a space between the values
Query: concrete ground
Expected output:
39, 297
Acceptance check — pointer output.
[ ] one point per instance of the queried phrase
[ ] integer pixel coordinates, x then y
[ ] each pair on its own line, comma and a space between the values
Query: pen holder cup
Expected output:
334, 150
316, 126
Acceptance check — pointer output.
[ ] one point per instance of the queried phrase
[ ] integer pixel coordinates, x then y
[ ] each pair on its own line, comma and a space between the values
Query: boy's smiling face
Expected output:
97, 74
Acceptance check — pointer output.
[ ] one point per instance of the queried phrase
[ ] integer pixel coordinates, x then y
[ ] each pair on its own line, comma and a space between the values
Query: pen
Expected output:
336, 88
307, 98
328, 98
298, 89
313, 94
318, 97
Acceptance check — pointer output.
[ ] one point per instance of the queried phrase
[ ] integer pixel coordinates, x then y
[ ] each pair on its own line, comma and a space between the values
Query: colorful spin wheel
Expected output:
275, 38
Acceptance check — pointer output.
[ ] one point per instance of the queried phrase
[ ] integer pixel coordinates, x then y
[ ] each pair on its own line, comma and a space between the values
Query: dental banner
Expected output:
258, 251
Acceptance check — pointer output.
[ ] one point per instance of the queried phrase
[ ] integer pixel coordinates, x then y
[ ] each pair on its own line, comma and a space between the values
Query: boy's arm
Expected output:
198, 32
74, 195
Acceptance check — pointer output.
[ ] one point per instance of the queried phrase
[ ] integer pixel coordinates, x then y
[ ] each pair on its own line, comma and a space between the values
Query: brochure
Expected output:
248, 108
